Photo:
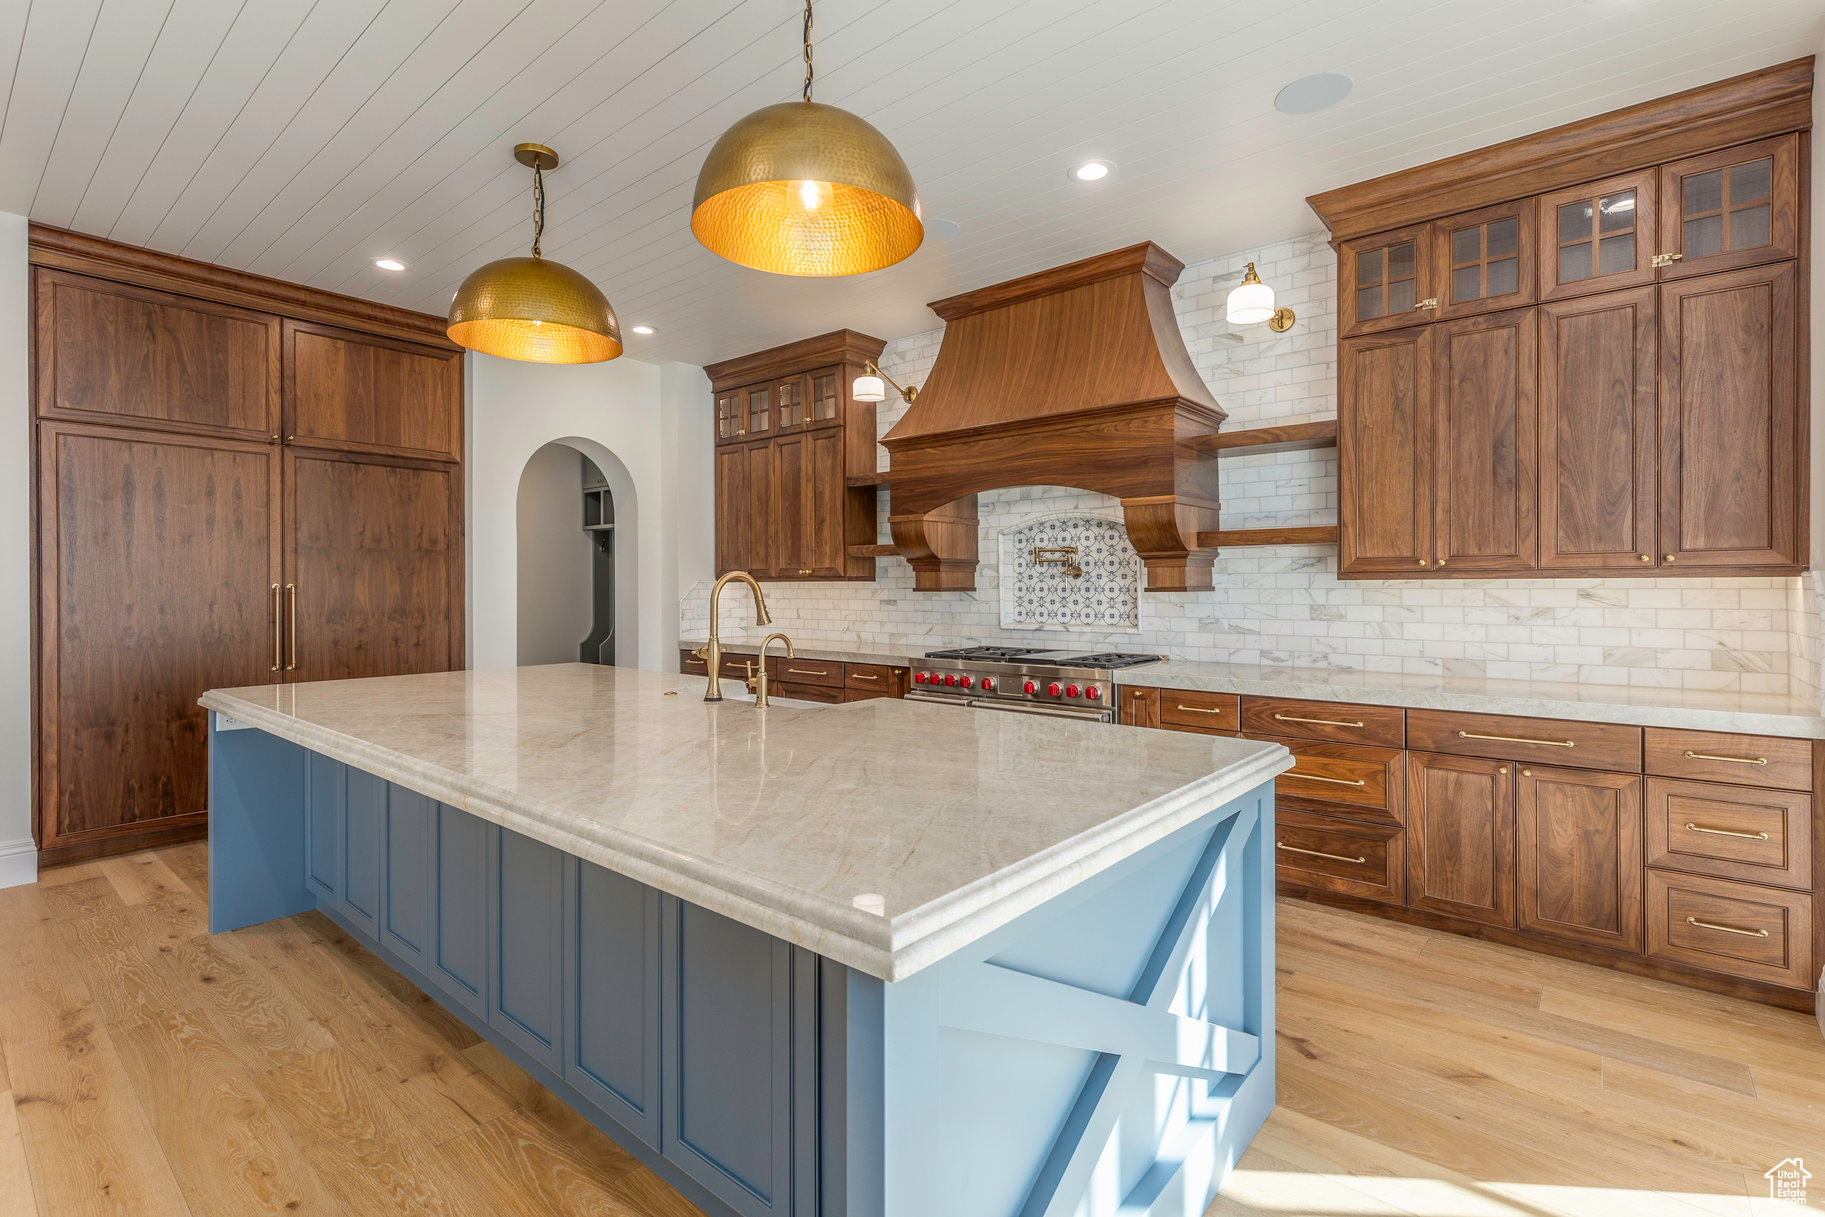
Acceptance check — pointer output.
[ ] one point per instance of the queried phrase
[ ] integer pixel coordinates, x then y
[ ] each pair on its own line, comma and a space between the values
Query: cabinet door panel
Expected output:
1599, 384
156, 558
323, 797
1486, 259
1735, 207
789, 515
761, 544
364, 821
731, 499
1488, 437
1581, 855
1732, 424
1599, 237
461, 962
526, 901
406, 924
611, 1000
360, 393
1140, 707
825, 502
108, 352
1460, 837
376, 557
1385, 281
1385, 452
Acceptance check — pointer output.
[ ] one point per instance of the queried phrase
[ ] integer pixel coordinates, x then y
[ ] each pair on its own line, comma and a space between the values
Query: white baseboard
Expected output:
18, 862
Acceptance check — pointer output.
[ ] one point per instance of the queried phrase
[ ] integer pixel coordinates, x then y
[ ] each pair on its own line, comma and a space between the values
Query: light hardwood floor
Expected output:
148, 1069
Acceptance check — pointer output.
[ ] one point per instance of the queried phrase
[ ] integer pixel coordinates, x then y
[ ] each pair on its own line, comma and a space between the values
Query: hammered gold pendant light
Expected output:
530, 308
802, 188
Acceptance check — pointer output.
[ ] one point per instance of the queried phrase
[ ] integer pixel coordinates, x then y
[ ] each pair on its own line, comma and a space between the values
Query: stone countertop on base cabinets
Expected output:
1690, 709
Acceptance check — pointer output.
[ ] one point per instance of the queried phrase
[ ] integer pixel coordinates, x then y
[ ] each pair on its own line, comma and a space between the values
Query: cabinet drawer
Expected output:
1186, 709
830, 695
1330, 720
691, 665
1546, 741
737, 665
1315, 851
1730, 832
1745, 760
1344, 779
805, 671
1759, 933
874, 679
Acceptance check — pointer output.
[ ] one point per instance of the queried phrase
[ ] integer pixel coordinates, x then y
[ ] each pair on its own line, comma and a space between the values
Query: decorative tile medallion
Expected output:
1042, 595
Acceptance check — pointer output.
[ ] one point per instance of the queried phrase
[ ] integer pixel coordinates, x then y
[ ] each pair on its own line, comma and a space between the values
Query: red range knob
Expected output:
965, 681
920, 678
1093, 692
1052, 689
988, 682
950, 678
1031, 687
1072, 691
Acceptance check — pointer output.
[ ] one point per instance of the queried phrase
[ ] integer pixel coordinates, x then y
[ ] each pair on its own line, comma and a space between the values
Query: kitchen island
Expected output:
880, 959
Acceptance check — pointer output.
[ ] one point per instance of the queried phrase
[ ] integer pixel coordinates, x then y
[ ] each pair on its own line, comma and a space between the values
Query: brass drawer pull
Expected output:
278, 630
1725, 832
808, 671
291, 590
1314, 777
1200, 709
862, 676
1734, 760
1726, 929
1520, 739
1315, 853
1322, 722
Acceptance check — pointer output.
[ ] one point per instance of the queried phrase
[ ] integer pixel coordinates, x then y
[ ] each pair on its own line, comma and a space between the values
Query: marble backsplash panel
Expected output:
1287, 605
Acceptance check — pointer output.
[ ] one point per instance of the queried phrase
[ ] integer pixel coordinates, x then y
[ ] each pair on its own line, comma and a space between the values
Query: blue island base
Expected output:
1108, 1053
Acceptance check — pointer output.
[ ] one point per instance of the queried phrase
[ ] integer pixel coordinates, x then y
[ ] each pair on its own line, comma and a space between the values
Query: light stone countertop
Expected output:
1692, 709
956, 820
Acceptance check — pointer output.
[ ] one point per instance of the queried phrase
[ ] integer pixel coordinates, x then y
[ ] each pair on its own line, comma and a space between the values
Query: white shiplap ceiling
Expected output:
305, 138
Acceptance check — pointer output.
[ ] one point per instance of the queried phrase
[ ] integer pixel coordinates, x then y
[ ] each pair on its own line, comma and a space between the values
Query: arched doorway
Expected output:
574, 602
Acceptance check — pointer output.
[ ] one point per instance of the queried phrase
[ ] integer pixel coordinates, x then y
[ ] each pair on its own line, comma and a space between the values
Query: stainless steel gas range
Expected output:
1026, 680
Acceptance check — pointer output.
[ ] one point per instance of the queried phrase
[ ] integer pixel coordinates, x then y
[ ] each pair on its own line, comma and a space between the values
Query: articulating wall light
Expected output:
1252, 302
873, 387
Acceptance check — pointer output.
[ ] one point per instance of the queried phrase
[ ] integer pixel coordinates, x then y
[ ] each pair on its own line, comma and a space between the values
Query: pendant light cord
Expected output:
538, 209
807, 50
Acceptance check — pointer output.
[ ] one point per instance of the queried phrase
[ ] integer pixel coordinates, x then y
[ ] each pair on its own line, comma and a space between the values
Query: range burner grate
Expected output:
1104, 659
990, 654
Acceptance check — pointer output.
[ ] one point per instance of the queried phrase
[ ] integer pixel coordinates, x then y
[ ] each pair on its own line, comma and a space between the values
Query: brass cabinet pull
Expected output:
1430, 302
1315, 853
1734, 760
1668, 259
1197, 709
291, 591
1315, 777
1726, 929
1647, 557
1323, 722
807, 672
1519, 739
1726, 832
805, 570
862, 676
278, 627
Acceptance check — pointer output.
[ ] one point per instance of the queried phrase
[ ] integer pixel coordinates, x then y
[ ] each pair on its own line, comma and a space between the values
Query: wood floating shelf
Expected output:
1292, 437
879, 477
1317, 534
885, 550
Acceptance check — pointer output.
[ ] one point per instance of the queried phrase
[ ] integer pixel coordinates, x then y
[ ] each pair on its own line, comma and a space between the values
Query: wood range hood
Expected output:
1076, 376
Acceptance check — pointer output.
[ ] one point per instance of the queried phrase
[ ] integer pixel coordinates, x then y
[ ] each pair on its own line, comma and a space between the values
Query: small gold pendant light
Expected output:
530, 308
802, 188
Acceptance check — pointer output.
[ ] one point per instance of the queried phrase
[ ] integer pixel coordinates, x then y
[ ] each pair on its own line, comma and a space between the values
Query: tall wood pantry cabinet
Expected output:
1582, 351
238, 482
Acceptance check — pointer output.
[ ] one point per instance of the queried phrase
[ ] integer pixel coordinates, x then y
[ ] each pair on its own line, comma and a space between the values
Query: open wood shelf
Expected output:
873, 551
1292, 437
1316, 534
878, 478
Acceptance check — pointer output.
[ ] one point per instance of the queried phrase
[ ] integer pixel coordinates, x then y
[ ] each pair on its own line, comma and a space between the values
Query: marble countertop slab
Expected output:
1692, 709
884, 834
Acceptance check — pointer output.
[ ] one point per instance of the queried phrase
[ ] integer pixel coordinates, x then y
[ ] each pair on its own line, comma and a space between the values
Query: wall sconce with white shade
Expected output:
873, 387
1252, 302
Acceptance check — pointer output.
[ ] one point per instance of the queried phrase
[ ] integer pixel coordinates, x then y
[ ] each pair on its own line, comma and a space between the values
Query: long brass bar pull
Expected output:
291, 590
1314, 853
1322, 722
1315, 777
1725, 832
1520, 739
1201, 709
1726, 929
1734, 760
278, 630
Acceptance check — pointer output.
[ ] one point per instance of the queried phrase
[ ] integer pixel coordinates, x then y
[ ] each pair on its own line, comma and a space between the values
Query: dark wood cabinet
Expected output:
1486, 260
790, 438
1386, 281
1731, 208
1386, 454
222, 501
1599, 388
1599, 236
1732, 420
1580, 851
1486, 424
1460, 837
1139, 707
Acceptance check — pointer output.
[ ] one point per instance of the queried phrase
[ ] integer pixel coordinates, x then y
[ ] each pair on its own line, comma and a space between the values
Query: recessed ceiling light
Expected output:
1310, 94
643, 329
1090, 171
389, 264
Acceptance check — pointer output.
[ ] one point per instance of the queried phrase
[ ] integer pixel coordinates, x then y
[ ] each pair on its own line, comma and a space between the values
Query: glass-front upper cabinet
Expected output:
729, 424
789, 401
1737, 207
1385, 281
1485, 259
826, 394
759, 418
1598, 237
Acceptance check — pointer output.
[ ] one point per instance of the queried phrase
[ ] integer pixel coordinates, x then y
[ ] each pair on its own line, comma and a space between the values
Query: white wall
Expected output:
647, 428
18, 858
556, 558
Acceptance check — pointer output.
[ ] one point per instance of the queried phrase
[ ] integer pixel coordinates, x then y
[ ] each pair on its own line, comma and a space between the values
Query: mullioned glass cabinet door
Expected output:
1729, 209
1385, 281
1598, 237
1485, 260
